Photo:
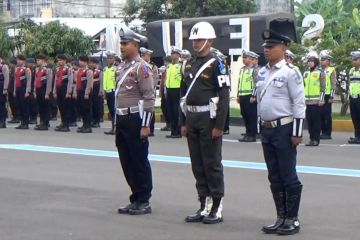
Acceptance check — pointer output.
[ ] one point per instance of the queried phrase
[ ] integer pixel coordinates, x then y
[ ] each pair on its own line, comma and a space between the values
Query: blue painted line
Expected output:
180, 160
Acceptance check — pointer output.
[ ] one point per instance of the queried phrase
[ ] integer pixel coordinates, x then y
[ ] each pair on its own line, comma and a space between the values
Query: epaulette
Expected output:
290, 65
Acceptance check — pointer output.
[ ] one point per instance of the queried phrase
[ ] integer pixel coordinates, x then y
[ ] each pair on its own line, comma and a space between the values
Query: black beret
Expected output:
61, 56
94, 59
84, 58
13, 60
21, 57
30, 60
41, 56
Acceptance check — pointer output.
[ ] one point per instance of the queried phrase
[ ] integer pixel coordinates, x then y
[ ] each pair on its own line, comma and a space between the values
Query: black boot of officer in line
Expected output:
287, 202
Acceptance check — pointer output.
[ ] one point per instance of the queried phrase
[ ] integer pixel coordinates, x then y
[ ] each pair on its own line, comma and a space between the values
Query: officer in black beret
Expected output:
14, 108
281, 109
33, 110
97, 92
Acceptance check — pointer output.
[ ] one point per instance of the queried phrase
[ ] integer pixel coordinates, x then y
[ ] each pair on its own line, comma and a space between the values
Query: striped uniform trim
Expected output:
298, 127
146, 119
322, 96
254, 92
332, 93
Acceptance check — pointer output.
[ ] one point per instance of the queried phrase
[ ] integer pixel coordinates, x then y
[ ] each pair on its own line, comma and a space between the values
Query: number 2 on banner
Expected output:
314, 31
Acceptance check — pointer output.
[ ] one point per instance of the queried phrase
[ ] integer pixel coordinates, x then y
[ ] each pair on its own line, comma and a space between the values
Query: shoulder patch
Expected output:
145, 70
290, 65
222, 67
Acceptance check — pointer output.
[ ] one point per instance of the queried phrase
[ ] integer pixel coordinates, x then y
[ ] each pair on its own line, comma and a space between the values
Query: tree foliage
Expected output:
5, 42
152, 10
341, 32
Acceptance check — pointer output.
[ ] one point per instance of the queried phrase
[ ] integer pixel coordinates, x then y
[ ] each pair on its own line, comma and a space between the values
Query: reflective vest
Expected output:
328, 72
41, 77
81, 79
354, 87
173, 75
20, 76
312, 85
109, 81
246, 81
62, 76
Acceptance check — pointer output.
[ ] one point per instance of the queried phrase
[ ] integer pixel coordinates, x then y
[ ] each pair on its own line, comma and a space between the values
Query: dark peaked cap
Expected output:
272, 38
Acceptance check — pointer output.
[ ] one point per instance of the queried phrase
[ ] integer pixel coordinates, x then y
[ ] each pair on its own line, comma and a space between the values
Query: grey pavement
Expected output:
61, 196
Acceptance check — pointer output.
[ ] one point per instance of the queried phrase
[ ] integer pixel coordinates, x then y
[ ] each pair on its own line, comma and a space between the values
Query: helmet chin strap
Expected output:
202, 46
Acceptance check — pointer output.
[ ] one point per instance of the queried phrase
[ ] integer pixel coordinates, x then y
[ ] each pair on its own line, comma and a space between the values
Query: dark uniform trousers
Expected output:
44, 105
173, 106
84, 107
326, 119
110, 101
64, 104
133, 154
313, 119
33, 107
3, 110
355, 114
23, 103
280, 156
249, 114
227, 122
14, 107
73, 110
96, 103
165, 110
205, 154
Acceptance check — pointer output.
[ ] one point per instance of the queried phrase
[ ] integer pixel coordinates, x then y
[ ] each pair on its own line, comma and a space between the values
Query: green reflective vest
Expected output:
246, 81
109, 81
354, 87
312, 85
328, 72
173, 75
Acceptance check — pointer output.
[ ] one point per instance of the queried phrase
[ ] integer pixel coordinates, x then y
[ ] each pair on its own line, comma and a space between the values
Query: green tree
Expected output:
5, 42
152, 10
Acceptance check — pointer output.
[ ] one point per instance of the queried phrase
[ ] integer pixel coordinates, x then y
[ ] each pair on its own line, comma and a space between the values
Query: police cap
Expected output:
75, 62
250, 54
145, 51
355, 55
94, 59
21, 57
110, 54
290, 54
30, 60
61, 56
83, 58
325, 55
175, 49
127, 35
272, 38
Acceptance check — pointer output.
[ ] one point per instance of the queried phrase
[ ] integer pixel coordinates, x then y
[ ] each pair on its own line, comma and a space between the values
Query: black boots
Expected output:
287, 207
279, 200
291, 224
112, 131
209, 212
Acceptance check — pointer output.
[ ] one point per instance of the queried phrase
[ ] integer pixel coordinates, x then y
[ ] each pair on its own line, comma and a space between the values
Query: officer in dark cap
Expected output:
62, 92
42, 89
281, 109
84, 79
33, 105
22, 90
97, 92
4, 83
134, 102
14, 108
74, 115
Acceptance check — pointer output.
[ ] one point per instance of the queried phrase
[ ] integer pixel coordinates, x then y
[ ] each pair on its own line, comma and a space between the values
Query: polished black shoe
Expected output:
14, 121
270, 229
312, 144
196, 217
212, 218
126, 209
166, 128
59, 126
325, 137
354, 140
151, 135
41, 127
278, 194
95, 125
73, 124
84, 130
174, 136
247, 139
3, 125
140, 209
226, 132
22, 126
289, 227
63, 129
33, 121
111, 132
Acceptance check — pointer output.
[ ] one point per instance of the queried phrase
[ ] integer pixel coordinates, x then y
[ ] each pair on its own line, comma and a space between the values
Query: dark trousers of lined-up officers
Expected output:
84, 79
4, 84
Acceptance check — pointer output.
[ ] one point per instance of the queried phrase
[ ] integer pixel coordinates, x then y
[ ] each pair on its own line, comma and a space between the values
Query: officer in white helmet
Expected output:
205, 102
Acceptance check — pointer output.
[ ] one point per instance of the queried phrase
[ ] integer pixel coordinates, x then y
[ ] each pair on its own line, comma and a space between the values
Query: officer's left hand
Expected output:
252, 99
5, 92
144, 132
296, 140
331, 100
47, 97
321, 103
217, 133
86, 97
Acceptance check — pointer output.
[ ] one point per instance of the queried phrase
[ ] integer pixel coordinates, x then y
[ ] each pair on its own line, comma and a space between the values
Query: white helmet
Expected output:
202, 30
312, 56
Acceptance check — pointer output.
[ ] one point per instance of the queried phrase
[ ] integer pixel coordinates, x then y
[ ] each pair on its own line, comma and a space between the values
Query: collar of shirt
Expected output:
277, 65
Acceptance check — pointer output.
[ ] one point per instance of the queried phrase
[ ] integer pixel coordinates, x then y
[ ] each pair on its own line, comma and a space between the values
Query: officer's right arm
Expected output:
296, 91
5, 71
69, 87
28, 81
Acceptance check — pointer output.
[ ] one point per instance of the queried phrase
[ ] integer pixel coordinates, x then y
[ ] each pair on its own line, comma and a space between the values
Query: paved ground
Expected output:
62, 193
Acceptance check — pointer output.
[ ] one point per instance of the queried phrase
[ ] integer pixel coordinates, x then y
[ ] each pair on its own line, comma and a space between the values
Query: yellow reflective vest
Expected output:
109, 78
173, 75
354, 87
246, 81
328, 72
312, 85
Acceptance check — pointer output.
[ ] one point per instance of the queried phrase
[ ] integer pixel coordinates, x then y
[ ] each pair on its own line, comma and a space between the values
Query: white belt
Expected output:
278, 122
126, 111
355, 96
195, 109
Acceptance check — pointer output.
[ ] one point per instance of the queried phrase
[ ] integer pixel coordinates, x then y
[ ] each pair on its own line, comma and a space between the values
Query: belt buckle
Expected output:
273, 124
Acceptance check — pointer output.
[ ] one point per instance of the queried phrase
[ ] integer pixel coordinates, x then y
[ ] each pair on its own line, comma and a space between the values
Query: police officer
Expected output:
281, 109
134, 107
162, 92
315, 84
354, 95
42, 89
246, 85
172, 83
62, 92
330, 75
14, 108
146, 56
109, 85
33, 105
203, 124
97, 92
84, 79
289, 57
185, 57
22, 90
4, 84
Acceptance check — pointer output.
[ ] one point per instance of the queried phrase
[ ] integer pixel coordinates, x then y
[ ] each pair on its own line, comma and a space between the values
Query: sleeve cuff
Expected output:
298, 127
322, 96
146, 120
332, 93
254, 92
